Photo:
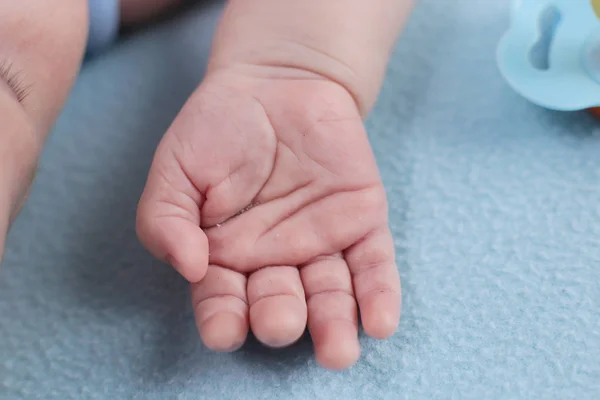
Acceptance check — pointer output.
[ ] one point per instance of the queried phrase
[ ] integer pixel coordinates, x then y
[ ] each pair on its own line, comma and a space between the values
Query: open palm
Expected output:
265, 195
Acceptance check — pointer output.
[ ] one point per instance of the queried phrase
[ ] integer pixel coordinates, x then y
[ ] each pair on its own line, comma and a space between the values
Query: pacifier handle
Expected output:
543, 86
514, 55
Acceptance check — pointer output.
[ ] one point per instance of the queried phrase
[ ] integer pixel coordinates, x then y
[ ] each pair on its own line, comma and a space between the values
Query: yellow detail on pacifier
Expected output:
596, 7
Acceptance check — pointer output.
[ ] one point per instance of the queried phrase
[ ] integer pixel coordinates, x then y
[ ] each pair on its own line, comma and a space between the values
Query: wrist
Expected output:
345, 41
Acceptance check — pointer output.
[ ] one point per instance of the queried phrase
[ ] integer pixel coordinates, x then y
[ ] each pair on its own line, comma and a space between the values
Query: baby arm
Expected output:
345, 41
41, 46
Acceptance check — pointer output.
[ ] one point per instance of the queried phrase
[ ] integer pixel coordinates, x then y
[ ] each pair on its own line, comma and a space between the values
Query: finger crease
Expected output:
264, 297
220, 296
320, 259
365, 268
176, 206
313, 324
331, 292
376, 290
187, 176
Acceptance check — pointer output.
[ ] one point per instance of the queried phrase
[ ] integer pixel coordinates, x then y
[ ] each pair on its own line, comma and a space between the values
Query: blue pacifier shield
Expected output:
551, 53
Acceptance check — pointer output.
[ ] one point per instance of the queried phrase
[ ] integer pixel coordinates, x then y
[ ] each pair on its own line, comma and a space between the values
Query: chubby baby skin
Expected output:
35, 77
264, 193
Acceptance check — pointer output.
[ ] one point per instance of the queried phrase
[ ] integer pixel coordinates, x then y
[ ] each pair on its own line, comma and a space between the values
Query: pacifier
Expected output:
550, 54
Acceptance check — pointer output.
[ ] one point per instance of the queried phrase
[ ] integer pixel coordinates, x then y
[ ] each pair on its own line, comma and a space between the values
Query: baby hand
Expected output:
265, 194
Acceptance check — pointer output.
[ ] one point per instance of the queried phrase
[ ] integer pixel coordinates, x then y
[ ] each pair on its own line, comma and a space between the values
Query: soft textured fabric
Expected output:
495, 206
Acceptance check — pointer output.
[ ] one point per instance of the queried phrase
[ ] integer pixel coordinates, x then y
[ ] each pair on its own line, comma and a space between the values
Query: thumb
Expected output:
168, 217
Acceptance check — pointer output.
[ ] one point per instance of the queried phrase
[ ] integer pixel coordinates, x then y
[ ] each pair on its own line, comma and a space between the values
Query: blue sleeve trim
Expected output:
104, 24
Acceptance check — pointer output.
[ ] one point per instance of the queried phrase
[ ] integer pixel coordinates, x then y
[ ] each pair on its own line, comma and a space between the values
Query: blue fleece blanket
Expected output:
495, 206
